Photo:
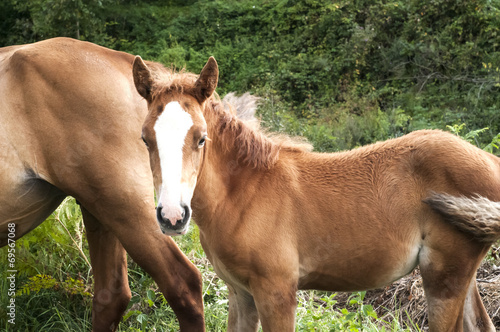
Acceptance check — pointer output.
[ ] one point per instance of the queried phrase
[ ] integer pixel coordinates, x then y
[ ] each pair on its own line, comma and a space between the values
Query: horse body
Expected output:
70, 124
360, 192
15, 180
275, 218
48, 114
344, 222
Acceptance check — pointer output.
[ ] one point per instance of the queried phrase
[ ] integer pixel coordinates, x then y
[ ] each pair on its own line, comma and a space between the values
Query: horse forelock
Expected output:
254, 146
169, 79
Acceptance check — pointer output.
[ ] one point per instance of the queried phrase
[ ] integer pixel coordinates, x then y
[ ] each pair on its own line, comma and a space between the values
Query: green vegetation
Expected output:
341, 73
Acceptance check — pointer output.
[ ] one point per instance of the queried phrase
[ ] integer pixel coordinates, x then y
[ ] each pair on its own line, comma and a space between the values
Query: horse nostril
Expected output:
158, 213
185, 213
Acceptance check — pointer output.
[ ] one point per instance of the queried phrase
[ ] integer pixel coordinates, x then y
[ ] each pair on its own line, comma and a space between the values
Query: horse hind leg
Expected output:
459, 237
448, 262
445, 290
475, 316
109, 265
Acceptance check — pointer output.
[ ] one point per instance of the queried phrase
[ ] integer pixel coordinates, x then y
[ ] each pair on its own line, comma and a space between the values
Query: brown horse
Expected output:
70, 124
275, 218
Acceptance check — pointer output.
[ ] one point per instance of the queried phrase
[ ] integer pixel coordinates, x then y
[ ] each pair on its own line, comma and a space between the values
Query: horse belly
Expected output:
25, 201
344, 271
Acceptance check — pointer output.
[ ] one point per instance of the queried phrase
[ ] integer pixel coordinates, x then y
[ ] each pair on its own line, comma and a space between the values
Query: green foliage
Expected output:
344, 130
59, 241
42, 19
494, 145
470, 137
331, 63
37, 283
40, 282
316, 312
473, 137
53, 282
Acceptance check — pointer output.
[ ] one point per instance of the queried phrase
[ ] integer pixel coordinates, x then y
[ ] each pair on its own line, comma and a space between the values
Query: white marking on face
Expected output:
171, 129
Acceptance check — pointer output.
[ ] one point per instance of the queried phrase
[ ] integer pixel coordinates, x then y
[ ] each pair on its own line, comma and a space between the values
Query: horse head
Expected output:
175, 132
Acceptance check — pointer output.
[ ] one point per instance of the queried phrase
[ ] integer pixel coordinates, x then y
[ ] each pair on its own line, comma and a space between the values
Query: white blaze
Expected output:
171, 129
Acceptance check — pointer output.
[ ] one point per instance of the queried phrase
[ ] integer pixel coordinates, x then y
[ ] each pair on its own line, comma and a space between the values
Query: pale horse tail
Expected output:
476, 215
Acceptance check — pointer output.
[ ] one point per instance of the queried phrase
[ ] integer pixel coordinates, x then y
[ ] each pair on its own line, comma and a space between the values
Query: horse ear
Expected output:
207, 81
142, 78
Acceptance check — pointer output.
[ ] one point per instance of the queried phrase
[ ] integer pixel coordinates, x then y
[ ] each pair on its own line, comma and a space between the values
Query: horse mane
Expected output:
245, 105
255, 146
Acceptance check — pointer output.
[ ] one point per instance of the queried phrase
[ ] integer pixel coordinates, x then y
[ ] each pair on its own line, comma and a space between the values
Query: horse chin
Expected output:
184, 231
174, 232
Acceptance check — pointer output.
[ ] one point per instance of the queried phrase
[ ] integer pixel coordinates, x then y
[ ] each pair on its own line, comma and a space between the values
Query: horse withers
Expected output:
70, 124
275, 218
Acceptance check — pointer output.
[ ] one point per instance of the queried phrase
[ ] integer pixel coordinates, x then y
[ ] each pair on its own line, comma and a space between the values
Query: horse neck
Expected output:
222, 171
215, 179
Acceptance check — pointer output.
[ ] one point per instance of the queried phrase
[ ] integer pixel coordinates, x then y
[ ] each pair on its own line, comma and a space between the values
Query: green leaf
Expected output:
151, 294
142, 319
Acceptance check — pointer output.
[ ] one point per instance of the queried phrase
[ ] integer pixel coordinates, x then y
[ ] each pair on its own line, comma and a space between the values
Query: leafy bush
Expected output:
437, 61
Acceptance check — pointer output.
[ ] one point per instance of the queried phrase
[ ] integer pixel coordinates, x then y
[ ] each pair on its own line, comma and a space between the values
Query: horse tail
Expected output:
476, 215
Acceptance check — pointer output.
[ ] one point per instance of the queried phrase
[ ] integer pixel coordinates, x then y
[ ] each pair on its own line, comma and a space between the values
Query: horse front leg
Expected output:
243, 315
125, 209
276, 303
109, 266
181, 284
178, 279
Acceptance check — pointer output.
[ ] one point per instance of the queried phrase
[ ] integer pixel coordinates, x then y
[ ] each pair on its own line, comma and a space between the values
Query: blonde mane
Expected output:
255, 146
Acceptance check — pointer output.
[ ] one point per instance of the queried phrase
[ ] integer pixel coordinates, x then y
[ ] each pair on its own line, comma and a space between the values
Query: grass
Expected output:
54, 288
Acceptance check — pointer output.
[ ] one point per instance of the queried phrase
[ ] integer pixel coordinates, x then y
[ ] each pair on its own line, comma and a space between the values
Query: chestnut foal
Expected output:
275, 218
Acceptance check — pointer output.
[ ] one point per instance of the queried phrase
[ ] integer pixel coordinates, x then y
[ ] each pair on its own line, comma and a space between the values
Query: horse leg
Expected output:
178, 279
109, 266
125, 208
447, 271
475, 316
243, 315
276, 303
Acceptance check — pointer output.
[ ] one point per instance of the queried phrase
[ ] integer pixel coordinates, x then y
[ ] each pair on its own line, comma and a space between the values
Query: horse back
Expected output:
445, 163
422, 161
63, 98
374, 197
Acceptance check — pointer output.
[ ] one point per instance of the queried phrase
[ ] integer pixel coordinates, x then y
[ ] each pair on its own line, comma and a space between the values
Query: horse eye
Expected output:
144, 140
202, 141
